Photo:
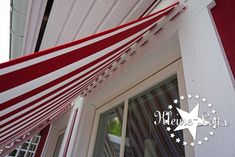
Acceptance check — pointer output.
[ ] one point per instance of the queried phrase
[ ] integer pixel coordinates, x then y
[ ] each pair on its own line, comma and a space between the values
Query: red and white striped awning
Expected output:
37, 88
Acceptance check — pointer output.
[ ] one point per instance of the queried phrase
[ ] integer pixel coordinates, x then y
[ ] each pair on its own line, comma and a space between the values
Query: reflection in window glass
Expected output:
35, 139
24, 146
32, 147
108, 138
143, 138
58, 145
30, 154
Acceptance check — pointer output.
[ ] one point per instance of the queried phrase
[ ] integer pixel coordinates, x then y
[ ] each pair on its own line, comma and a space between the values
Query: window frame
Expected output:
29, 143
174, 68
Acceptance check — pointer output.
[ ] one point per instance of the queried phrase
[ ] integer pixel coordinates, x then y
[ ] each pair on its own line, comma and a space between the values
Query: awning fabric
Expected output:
37, 88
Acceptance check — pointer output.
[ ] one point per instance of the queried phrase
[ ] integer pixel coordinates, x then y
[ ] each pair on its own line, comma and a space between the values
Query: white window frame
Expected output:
156, 77
29, 142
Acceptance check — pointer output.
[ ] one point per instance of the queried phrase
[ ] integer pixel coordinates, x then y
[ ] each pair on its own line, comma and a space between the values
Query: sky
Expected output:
4, 30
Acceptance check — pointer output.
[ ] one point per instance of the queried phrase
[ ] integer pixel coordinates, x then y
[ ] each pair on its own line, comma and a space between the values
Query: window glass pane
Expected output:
58, 145
30, 154
143, 137
13, 153
35, 139
32, 147
108, 138
21, 154
24, 146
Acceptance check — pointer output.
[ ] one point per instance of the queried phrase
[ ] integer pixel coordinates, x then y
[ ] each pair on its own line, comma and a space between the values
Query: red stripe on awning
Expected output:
54, 82
46, 67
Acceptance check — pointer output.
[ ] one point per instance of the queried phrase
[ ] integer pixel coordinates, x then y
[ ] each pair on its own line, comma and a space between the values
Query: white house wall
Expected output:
207, 74
80, 18
145, 61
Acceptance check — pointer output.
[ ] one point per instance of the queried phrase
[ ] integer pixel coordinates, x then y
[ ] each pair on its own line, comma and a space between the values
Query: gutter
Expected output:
17, 27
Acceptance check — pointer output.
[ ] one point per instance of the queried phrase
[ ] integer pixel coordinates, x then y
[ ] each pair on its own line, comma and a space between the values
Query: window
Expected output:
143, 137
27, 149
140, 136
109, 133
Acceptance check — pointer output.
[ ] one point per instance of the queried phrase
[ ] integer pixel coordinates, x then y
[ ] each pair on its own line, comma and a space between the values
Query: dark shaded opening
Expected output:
44, 24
